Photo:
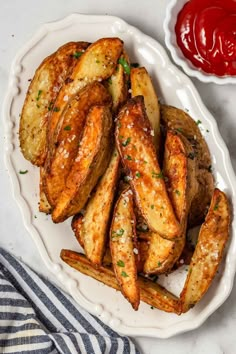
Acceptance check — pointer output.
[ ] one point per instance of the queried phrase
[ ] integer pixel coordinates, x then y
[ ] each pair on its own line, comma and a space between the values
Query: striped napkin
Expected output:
38, 318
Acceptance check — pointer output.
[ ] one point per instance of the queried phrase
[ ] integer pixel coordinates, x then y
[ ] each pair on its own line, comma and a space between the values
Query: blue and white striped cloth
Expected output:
38, 318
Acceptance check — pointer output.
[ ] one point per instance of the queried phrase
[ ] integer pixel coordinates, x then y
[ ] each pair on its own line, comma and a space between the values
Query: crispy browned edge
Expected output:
151, 293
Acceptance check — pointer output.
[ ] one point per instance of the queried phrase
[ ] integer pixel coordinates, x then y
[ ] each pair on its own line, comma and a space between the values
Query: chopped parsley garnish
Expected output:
124, 274
68, 127
56, 109
208, 131
37, 105
118, 233
76, 55
180, 130
50, 106
152, 308
35, 216
97, 61
120, 263
138, 174
23, 172
157, 175
152, 206
158, 263
177, 192
198, 122
126, 142
134, 65
125, 65
128, 157
39, 94
216, 206
109, 80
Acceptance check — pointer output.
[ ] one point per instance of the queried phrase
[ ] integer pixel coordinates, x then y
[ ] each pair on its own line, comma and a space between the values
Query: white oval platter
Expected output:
174, 88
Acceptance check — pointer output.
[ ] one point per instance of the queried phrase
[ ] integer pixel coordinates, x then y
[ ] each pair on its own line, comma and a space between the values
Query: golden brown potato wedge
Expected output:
97, 63
118, 88
150, 292
76, 224
180, 121
90, 163
72, 120
44, 205
208, 253
180, 173
40, 99
122, 246
96, 218
135, 144
141, 84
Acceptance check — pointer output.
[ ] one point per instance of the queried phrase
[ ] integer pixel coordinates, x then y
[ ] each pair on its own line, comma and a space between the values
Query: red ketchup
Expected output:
206, 34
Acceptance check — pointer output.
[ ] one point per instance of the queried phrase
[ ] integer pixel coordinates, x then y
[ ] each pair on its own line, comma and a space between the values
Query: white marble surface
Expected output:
18, 22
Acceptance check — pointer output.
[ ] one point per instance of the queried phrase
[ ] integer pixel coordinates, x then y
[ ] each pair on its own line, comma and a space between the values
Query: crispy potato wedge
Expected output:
122, 244
44, 205
96, 218
76, 224
90, 163
135, 144
141, 84
180, 121
73, 120
40, 99
150, 292
208, 253
97, 63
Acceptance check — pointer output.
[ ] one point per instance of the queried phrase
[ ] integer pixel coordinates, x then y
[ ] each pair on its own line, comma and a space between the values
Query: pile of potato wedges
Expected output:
134, 174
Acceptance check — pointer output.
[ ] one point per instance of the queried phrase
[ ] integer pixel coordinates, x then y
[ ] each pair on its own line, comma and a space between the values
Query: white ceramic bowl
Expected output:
172, 11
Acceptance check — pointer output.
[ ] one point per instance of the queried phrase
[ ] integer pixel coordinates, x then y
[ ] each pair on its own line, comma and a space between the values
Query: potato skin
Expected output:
40, 99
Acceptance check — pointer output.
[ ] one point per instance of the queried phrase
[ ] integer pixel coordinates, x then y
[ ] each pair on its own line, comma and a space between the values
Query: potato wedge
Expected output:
208, 253
90, 163
96, 218
40, 99
150, 292
180, 121
97, 63
73, 119
135, 144
122, 245
44, 205
76, 224
141, 84
180, 172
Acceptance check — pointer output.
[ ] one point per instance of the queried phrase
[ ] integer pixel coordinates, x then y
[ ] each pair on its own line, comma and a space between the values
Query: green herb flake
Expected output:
177, 192
128, 157
39, 94
157, 175
125, 65
120, 263
126, 142
124, 274
68, 127
97, 61
138, 174
37, 105
56, 109
35, 216
180, 130
23, 172
198, 122
152, 308
158, 263
208, 131
120, 232
216, 206
50, 106
152, 206
109, 80
77, 55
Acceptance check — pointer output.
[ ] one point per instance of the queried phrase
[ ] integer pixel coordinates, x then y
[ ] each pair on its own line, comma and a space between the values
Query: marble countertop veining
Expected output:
18, 22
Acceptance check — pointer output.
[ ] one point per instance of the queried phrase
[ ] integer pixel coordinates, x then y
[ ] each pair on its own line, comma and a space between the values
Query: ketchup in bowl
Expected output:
206, 34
